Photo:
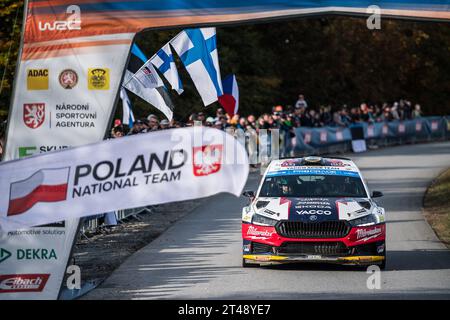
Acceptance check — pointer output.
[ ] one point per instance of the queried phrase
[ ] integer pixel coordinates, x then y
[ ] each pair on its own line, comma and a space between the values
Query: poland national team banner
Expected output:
186, 163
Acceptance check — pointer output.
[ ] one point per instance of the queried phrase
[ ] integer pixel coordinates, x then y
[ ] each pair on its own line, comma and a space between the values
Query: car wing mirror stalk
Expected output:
249, 194
377, 194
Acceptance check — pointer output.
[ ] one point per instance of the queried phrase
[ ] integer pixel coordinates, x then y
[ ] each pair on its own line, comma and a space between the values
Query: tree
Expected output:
10, 14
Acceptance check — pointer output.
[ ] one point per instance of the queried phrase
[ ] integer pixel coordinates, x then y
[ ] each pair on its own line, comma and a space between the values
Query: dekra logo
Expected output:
4, 254
36, 254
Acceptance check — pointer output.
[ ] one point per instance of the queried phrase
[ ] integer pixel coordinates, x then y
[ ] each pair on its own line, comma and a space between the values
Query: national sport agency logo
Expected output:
207, 159
68, 79
98, 79
33, 114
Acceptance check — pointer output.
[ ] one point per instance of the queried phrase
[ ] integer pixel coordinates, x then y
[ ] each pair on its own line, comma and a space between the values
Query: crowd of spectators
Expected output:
283, 118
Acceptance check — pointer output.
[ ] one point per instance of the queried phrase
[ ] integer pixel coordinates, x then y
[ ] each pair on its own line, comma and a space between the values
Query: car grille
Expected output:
260, 248
325, 229
319, 248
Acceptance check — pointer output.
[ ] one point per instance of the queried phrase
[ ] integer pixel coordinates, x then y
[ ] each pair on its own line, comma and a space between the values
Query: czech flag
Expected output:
47, 185
230, 98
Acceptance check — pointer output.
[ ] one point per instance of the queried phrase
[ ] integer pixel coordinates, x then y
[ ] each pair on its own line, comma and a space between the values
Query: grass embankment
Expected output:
437, 207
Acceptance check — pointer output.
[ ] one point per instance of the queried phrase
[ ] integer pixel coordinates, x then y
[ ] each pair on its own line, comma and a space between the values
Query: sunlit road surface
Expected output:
199, 257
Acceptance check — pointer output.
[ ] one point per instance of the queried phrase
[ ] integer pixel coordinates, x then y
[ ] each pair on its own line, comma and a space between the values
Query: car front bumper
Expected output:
347, 260
361, 246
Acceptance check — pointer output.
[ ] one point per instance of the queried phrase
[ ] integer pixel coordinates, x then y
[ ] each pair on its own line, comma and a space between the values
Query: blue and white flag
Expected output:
197, 49
128, 116
142, 79
164, 62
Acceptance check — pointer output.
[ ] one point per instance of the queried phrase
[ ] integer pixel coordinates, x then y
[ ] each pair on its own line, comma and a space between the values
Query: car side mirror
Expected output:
377, 194
249, 194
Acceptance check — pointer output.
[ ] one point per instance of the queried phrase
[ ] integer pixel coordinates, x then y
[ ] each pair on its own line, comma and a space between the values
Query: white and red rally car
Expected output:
313, 209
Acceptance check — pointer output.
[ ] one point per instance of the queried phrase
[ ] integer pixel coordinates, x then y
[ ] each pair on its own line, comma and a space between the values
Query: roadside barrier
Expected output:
320, 141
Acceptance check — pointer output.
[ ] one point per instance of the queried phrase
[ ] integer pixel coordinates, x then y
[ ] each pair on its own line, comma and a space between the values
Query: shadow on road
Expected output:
396, 261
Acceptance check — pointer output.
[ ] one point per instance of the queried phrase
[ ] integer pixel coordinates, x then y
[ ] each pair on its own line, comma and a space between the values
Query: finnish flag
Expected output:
128, 116
197, 49
164, 62
142, 79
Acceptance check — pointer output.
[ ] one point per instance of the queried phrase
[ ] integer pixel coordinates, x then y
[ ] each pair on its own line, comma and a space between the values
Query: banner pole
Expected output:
81, 221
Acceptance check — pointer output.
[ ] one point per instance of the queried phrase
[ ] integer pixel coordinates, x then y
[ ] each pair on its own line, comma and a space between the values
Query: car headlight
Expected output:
368, 220
263, 221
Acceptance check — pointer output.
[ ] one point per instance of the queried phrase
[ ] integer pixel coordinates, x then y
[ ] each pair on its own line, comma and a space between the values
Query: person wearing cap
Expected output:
117, 132
210, 121
164, 124
218, 125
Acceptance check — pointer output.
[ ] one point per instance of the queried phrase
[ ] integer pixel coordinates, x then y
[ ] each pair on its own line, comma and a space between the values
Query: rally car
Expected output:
313, 209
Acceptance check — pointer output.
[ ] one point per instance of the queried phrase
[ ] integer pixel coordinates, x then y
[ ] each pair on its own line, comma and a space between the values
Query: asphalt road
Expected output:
199, 257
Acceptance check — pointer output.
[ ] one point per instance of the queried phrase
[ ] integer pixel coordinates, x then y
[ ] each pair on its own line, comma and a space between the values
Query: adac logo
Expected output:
37, 79
207, 159
33, 114
98, 79
68, 78
4, 254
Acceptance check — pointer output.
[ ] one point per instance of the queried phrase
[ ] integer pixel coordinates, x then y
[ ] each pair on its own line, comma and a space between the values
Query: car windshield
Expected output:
300, 186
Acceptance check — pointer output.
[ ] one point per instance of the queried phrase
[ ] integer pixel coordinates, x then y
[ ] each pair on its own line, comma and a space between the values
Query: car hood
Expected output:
313, 209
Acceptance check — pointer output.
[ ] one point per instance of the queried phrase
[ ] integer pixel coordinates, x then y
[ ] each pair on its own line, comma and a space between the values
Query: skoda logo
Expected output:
313, 218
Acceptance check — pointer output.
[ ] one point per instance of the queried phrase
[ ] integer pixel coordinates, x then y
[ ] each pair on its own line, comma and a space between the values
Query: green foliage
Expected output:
332, 60
9, 46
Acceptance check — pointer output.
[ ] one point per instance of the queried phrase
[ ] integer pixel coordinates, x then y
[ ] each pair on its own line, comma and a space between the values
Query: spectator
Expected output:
117, 132
164, 124
417, 112
301, 102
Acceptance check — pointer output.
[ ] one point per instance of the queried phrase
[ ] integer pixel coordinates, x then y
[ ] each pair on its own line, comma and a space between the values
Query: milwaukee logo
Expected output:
252, 231
73, 21
367, 233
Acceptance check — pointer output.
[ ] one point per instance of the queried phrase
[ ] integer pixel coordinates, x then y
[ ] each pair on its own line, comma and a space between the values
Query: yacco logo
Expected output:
23, 282
319, 212
73, 21
4, 254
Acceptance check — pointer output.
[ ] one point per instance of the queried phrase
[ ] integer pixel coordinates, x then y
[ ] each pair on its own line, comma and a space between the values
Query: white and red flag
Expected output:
46, 185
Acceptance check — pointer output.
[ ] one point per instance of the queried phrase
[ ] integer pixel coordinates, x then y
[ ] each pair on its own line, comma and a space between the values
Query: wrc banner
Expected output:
65, 89
134, 171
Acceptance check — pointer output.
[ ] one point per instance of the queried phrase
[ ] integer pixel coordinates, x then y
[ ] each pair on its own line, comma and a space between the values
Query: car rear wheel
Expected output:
245, 264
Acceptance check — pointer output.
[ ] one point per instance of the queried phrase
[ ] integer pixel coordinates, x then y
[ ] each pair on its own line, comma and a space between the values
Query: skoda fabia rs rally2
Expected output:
313, 209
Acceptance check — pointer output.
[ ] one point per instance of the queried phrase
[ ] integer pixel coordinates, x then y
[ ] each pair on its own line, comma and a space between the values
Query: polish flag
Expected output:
230, 98
47, 185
